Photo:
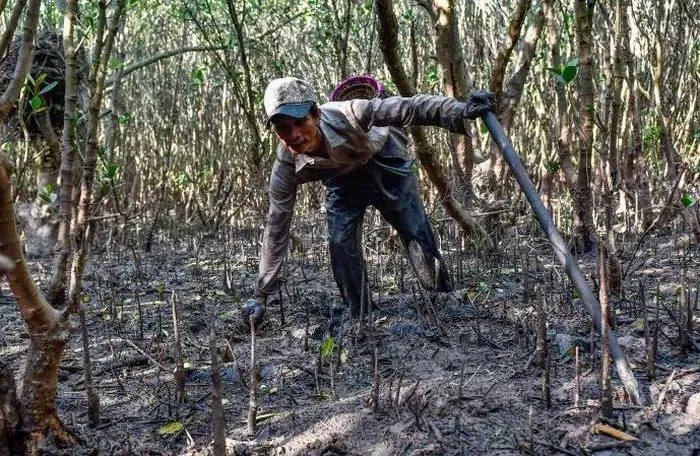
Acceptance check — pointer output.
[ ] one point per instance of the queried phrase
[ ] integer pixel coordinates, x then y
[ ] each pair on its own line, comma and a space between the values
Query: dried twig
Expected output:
179, 367
662, 396
253, 402
648, 343
217, 411
615, 433
577, 378
605, 387
136, 347
375, 385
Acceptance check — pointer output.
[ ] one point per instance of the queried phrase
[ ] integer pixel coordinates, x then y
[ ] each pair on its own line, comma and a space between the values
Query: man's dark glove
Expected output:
254, 308
479, 102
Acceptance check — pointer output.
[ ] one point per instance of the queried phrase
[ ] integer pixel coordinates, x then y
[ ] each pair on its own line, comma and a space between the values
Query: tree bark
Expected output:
57, 284
635, 178
3, 4
12, 23
563, 140
388, 43
48, 160
584, 237
510, 97
675, 165
48, 331
499, 68
249, 101
102, 53
608, 160
24, 58
456, 84
9, 416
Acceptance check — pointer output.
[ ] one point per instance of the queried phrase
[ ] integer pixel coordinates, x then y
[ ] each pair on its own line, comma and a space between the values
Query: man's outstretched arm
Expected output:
425, 110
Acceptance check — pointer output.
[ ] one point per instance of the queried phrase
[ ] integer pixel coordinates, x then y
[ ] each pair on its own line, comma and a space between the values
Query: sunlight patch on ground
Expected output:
325, 430
684, 424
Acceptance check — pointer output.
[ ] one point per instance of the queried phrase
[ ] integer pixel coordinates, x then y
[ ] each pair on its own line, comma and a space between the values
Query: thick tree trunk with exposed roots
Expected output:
48, 330
9, 416
40, 423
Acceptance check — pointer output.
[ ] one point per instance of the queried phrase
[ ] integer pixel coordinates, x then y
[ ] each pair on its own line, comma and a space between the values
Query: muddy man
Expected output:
358, 149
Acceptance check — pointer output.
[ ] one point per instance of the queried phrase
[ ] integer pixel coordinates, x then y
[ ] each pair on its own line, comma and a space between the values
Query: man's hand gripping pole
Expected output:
562, 251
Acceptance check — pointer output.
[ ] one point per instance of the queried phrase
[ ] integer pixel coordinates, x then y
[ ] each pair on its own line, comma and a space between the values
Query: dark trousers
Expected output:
347, 199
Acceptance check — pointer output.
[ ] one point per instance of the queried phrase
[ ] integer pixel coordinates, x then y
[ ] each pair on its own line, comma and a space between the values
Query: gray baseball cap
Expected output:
288, 96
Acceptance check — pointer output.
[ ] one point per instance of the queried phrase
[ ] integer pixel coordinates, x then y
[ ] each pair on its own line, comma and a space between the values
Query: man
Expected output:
357, 149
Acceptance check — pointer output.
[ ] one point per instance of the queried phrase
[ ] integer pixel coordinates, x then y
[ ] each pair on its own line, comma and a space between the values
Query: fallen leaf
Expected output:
170, 428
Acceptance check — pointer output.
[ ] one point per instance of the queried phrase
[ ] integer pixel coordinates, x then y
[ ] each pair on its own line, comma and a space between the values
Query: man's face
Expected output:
301, 136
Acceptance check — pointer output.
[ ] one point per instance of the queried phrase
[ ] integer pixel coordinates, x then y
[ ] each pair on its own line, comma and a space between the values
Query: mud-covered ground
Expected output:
455, 376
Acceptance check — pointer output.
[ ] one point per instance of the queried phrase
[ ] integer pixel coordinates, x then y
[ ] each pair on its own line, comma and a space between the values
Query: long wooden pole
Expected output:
563, 253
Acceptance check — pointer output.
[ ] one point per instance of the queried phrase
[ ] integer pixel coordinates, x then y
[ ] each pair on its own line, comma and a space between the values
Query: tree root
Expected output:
52, 434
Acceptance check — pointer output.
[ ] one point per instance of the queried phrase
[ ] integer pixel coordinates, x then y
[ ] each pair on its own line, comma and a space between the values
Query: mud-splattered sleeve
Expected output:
282, 193
426, 110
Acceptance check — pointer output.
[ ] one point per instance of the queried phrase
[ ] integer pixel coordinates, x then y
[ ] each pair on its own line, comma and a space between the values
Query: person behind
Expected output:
357, 148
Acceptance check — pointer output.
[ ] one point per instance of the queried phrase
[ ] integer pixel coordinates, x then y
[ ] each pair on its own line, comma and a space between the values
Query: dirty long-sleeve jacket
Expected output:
353, 132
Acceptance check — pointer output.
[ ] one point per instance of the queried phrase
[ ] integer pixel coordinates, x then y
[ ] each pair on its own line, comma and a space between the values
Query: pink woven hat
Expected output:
363, 87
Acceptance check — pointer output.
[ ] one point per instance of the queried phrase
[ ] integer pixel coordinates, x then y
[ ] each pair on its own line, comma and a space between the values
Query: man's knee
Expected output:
342, 239
338, 242
343, 232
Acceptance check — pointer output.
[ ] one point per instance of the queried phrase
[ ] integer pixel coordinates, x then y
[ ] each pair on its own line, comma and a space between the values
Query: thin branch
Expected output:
24, 59
163, 55
11, 26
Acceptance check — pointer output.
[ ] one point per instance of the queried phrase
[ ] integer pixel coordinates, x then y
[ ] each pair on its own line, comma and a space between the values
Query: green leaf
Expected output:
688, 201
85, 298
40, 80
48, 88
432, 76
111, 170
124, 118
36, 102
569, 73
408, 16
173, 427
697, 135
327, 346
483, 128
573, 62
47, 194
116, 64
559, 78
651, 134
198, 76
